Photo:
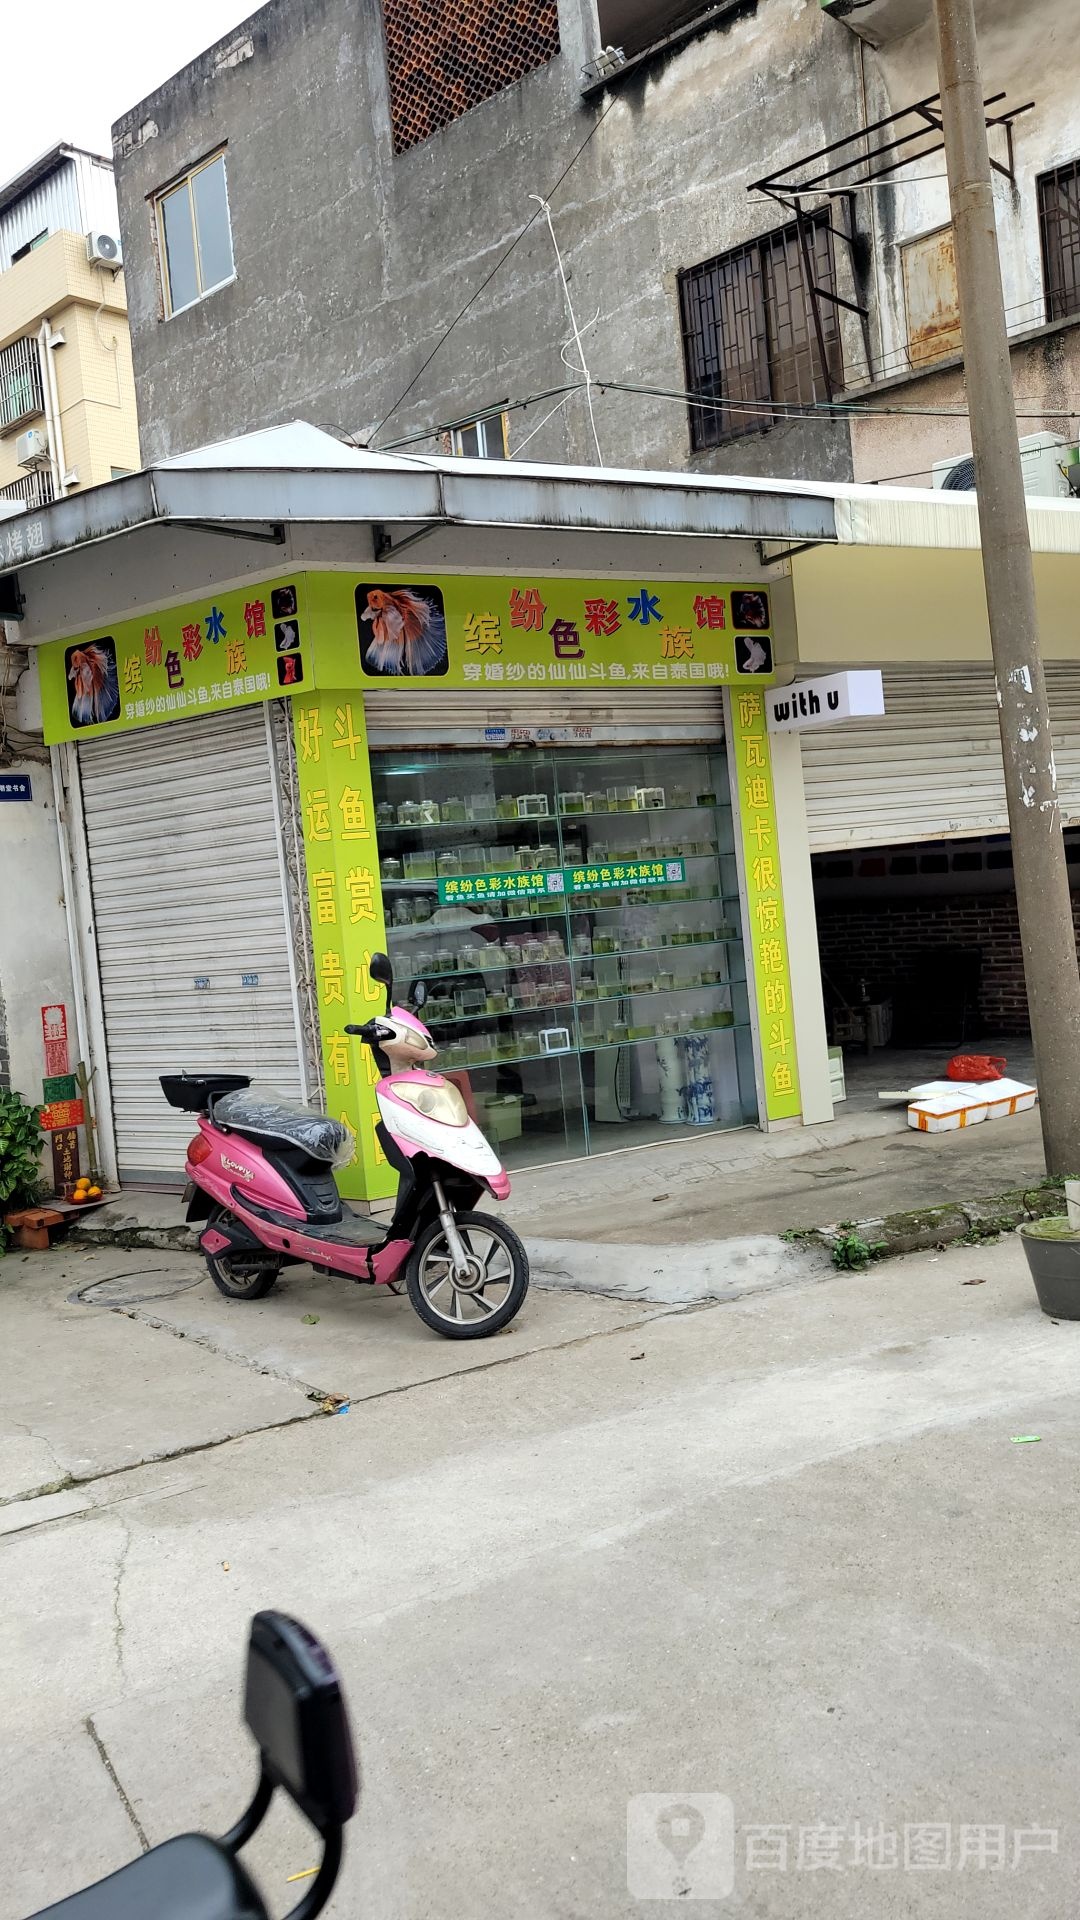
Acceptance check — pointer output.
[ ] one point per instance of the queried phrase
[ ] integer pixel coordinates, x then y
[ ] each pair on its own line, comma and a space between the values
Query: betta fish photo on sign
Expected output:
93, 685
402, 631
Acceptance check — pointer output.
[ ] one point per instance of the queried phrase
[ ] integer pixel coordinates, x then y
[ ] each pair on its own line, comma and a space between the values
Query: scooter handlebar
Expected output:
354, 1029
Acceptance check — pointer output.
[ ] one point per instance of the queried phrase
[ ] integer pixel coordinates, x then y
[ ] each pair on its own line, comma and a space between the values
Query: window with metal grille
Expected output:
750, 337
20, 383
442, 60
1059, 225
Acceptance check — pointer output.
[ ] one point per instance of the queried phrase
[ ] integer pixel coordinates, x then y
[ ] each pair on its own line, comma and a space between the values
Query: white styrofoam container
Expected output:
944, 1106
942, 1113
837, 1082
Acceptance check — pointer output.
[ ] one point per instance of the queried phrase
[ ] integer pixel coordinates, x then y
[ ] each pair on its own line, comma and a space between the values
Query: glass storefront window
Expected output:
603, 1004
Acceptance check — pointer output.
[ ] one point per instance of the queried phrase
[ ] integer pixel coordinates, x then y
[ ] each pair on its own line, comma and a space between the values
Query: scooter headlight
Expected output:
442, 1102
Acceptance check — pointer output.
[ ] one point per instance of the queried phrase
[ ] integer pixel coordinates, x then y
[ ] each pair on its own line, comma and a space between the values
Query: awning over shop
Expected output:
903, 580
158, 535
878, 574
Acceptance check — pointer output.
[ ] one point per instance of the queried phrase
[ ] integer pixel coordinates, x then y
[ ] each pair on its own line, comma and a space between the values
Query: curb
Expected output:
725, 1269
924, 1228
132, 1235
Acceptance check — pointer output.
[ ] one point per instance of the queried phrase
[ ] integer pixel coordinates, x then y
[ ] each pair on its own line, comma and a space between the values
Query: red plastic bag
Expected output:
975, 1067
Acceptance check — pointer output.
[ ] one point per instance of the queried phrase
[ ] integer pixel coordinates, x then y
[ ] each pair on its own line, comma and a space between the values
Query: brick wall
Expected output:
884, 941
442, 60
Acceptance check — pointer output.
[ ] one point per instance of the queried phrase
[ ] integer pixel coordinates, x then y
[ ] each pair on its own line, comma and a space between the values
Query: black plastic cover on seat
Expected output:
190, 1878
261, 1119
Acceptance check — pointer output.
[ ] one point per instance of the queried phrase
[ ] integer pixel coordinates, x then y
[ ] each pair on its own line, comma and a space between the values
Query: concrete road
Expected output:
779, 1562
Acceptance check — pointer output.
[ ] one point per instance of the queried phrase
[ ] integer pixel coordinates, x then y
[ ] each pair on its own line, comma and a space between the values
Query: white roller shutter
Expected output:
186, 880
693, 712
929, 768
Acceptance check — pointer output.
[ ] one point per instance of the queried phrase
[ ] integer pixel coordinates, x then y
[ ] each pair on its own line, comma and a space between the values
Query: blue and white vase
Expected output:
698, 1096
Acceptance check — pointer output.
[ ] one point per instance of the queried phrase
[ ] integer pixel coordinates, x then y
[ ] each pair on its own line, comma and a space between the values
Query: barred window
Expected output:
442, 60
749, 333
20, 383
1059, 225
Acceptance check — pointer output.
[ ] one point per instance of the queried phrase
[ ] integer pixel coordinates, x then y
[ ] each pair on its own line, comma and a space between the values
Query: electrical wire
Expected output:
582, 362
557, 408
507, 406
768, 411
816, 409
500, 263
898, 360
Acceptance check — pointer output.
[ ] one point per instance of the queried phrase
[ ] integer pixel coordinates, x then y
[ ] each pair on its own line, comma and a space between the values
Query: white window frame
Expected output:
494, 424
184, 180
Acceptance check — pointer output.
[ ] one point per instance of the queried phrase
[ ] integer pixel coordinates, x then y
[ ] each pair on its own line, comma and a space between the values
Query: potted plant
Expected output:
20, 1154
1052, 1250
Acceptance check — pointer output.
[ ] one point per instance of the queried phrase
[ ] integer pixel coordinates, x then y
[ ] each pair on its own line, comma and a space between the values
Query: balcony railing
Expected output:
20, 383
33, 489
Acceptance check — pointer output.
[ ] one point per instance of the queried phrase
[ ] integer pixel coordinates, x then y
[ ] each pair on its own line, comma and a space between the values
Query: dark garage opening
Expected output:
921, 958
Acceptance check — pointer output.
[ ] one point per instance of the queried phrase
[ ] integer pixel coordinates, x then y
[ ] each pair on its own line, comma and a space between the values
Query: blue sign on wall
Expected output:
15, 786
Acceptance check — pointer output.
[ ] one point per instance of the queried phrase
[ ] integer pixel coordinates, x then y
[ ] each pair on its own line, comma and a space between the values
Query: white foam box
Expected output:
943, 1106
837, 1083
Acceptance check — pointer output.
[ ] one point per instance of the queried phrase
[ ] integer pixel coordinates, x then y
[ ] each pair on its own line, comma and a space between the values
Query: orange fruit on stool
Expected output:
93, 1193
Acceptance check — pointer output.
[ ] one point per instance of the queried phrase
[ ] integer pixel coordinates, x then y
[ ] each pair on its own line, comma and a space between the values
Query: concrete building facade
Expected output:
366, 214
352, 258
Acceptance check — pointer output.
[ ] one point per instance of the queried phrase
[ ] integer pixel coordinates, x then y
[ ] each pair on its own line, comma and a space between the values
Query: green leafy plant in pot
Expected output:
1052, 1250
20, 1154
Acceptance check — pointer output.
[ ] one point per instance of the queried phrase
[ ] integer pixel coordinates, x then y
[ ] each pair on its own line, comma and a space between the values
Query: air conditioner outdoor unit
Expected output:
103, 250
32, 449
1042, 456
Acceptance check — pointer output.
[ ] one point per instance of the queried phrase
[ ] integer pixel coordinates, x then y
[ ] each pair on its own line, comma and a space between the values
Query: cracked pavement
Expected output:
782, 1548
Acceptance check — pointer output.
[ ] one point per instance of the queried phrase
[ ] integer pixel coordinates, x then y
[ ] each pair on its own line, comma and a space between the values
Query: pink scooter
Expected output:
261, 1176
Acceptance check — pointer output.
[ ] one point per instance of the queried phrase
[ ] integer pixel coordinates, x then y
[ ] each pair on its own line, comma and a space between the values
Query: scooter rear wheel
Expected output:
241, 1275
499, 1268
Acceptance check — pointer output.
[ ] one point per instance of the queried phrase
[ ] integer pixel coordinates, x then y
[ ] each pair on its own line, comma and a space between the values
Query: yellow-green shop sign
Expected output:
296, 632
765, 933
226, 650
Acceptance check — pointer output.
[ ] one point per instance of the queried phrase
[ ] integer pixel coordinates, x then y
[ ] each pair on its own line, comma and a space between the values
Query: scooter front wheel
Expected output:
481, 1302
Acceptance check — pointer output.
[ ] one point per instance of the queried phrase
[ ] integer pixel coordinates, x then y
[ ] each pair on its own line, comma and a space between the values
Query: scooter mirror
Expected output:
380, 969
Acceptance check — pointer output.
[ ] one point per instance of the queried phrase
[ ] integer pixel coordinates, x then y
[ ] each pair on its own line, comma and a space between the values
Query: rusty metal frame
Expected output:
896, 135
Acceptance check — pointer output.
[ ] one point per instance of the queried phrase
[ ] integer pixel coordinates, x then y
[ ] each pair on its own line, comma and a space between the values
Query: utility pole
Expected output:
1042, 881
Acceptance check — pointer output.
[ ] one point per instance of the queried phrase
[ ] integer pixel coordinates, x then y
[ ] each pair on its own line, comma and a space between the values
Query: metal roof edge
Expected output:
40, 169
473, 493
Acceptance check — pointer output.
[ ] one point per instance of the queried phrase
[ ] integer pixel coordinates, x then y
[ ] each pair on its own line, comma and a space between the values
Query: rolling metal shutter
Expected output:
929, 768
183, 839
457, 718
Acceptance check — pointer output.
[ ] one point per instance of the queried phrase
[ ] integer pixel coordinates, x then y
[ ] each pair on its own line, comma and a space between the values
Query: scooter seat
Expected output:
315, 1133
189, 1878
